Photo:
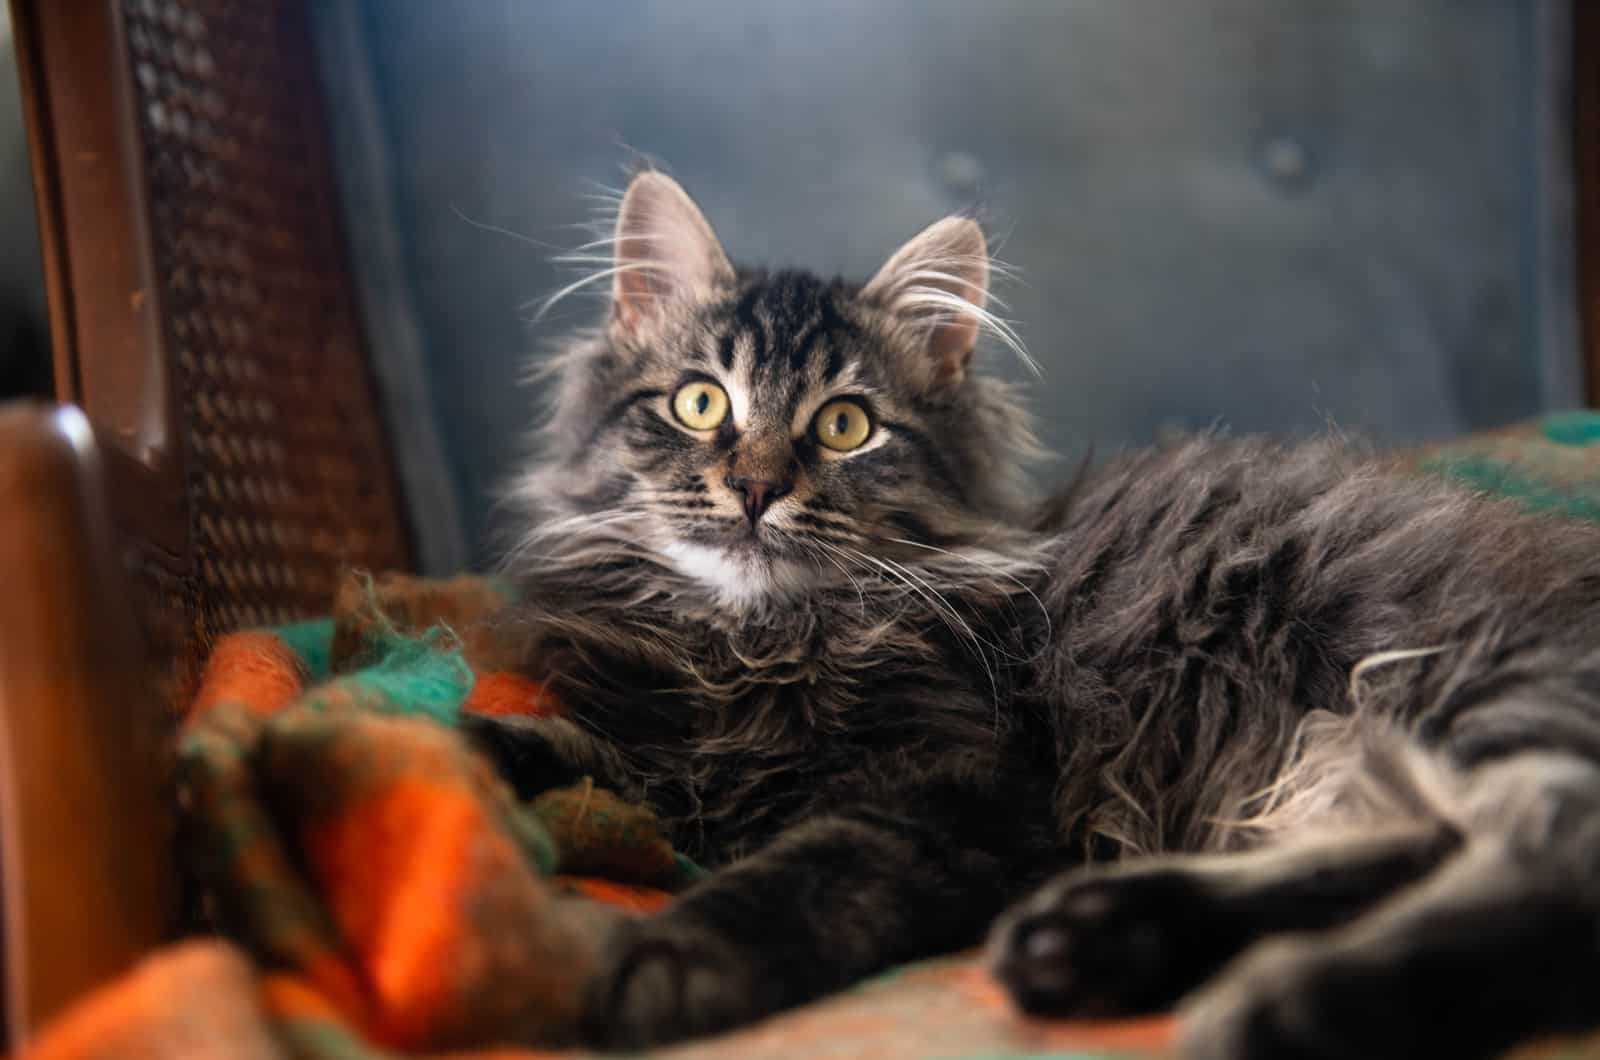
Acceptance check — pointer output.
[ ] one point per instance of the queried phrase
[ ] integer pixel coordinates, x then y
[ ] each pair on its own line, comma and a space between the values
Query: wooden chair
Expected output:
229, 457
228, 460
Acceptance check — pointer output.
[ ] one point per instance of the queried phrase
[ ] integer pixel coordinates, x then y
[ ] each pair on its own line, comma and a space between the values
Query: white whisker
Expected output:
548, 303
498, 230
828, 552
952, 620
926, 297
996, 572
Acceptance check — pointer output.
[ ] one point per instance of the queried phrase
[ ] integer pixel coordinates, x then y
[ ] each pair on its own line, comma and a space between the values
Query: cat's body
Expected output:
852, 665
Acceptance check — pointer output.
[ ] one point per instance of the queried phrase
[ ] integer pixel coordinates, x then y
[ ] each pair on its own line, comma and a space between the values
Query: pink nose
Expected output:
758, 494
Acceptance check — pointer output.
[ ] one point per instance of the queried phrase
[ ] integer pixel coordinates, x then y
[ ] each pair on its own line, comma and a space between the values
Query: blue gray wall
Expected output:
1274, 214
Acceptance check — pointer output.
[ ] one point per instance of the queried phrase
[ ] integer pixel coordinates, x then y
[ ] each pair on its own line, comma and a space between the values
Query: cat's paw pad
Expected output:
662, 980
1103, 943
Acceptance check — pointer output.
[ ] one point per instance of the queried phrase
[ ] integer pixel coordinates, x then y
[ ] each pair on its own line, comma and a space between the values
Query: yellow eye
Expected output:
843, 425
700, 405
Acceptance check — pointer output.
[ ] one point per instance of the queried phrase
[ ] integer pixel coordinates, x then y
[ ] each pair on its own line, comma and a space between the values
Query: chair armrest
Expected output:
85, 829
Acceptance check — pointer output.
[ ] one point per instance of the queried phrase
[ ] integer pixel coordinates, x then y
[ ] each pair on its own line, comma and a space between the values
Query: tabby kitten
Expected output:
1322, 740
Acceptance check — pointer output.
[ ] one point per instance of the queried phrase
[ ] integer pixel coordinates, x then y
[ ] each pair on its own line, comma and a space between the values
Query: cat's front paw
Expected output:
666, 978
1099, 942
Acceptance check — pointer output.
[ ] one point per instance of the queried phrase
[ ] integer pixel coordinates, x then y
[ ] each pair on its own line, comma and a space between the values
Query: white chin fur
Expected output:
738, 581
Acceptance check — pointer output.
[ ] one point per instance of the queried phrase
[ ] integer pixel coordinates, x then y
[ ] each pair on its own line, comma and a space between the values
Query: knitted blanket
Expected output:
389, 890
383, 893
380, 889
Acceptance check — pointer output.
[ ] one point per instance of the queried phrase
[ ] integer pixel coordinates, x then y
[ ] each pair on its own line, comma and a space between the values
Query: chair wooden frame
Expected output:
84, 803
204, 330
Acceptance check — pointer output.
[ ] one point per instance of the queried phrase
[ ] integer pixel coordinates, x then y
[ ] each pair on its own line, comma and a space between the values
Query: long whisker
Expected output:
829, 552
549, 302
998, 573
594, 524
937, 298
997, 649
498, 230
943, 601
946, 614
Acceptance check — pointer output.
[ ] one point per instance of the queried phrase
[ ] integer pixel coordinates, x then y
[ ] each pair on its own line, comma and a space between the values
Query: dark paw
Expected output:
665, 979
1343, 996
521, 752
1380, 992
1285, 1001
1100, 943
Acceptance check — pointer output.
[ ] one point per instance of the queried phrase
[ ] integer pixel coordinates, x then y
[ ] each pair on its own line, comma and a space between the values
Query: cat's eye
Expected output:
843, 426
700, 405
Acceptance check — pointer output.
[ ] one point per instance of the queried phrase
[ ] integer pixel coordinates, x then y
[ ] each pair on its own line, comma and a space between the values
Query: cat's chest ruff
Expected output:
809, 656
818, 670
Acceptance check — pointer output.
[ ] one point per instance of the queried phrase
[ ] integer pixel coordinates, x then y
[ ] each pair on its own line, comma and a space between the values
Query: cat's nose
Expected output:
759, 493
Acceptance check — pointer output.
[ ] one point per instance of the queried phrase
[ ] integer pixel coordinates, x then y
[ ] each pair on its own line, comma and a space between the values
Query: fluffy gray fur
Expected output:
1326, 701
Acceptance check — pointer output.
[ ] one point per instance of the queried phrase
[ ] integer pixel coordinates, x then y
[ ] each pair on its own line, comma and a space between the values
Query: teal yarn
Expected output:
423, 676
1491, 476
407, 676
420, 676
313, 642
1572, 428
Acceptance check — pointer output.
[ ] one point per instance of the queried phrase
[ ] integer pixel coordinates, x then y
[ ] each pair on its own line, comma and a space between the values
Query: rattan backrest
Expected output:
200, 308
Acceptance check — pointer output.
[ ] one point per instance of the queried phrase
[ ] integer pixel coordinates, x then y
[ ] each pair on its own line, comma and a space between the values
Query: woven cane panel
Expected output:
287, 478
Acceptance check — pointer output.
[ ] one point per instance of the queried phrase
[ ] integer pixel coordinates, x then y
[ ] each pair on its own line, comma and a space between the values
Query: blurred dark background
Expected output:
1277, 215
24, 351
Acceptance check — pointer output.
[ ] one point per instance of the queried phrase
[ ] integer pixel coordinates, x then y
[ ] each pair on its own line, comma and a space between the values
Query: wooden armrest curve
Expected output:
85, 827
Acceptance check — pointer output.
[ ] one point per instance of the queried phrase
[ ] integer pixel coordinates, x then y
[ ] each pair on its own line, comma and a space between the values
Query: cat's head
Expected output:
767, 433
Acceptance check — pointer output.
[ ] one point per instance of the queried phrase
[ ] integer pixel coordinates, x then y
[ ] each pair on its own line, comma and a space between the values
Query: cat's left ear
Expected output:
936, 285
664, 251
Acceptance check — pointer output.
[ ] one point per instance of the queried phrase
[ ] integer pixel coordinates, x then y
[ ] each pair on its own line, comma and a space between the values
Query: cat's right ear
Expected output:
665, 251
936, 286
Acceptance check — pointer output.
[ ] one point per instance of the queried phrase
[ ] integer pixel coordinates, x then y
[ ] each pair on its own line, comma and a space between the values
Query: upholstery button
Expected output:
1287, 163
961, 172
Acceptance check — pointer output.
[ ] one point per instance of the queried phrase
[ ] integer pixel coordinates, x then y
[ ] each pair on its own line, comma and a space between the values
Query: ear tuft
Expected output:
665, 250
938, 284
